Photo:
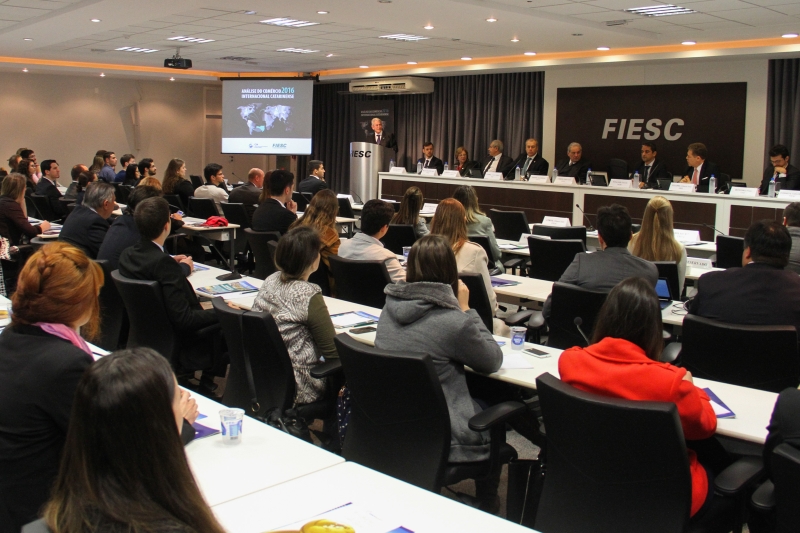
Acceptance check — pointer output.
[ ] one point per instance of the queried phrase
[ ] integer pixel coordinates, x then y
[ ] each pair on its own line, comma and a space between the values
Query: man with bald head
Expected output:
531, 162
497, 161
574, 165
248, 193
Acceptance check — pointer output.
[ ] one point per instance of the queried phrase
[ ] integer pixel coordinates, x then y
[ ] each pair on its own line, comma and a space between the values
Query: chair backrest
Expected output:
202, 207
399, 422
236, 214
300, 200
44, 208
484, 243
265, 265
112, 311
30, 205
122, 192
551, 257
617, 169
399, 235
759, 357
320, 277
729, 251
786, 478
570, 302
150, 325
361, 282
509, 225
197, 181
738, 184
240, 375
555, 232
345, 209
175, 201
612, 465
669, 270
664, 184
478, 299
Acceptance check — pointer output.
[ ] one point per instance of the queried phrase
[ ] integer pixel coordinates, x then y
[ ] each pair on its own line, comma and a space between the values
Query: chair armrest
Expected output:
536, 320
328, 368
518, 317
741, 474
496, 414
514, 263
208, 330
671, 352
763, 498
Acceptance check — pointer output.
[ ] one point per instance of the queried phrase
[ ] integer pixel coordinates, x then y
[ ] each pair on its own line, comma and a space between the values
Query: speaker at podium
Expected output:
366, 160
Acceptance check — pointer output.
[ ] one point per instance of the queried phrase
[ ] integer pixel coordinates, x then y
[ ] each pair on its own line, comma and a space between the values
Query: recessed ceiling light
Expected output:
322, 12
660, 10
491, 19
27, 39
185, 39
403, 37
603, 48
514, 40
172, 79
384, 1
297, 50
102, 75
287, 22
577, 35
530, 53
363, 66
411, 63
465, 58
133, 49
250, 12
95, 20
25, 70
329, 55
789, 35
428, 27
688, 43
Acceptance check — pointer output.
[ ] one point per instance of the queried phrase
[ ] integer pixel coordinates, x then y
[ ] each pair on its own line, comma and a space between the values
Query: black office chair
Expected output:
321, 277
759, 357
724, 183
729, 251
664, 184
483, 242
780, 495
400, 423
397, 236
361, 282
551, 257
31, 208
554, 232
618, 169
568, 303
478, 299
669, 270
112, 311
259, 241
622, 466
122, 192
239, 381
345, 209
44, 208
738, 184
300, 200
203, 207
509, 225
174, 200
197, 181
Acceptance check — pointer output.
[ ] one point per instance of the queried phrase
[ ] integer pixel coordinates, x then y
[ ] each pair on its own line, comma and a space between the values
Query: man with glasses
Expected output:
787, 175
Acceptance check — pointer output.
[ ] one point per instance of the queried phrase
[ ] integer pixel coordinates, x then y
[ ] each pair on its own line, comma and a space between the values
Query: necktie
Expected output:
485, 170
696, 177
379, 139
646, 172
527, 164
427, 163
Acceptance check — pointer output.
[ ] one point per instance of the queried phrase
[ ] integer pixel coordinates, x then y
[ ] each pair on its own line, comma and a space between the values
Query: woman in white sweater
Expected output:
656, 240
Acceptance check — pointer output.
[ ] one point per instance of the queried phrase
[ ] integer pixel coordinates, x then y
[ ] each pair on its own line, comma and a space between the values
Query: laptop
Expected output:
664, 296
476, 173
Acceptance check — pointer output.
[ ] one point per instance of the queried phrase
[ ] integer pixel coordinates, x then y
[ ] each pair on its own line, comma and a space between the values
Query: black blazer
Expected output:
708, 169
46, 188
504, 165
121, 235
185, 190
577, 171
370, 138
436, 163
85, 229
272, 216
13, 222
247, 195
791, 181
467, 166
311, 184
38, 378
658, 171
538, 167
784, 425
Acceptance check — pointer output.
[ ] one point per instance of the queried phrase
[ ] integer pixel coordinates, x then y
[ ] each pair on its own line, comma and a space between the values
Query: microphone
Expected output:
590, 228
715, 229
578, 321
352, 193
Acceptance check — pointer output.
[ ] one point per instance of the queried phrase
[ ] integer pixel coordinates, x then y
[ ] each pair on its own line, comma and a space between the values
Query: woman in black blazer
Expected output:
42, 358
175, 181
14, 213
463, 163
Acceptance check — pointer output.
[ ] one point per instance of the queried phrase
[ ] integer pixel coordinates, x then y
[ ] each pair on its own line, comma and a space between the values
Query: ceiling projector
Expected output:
178, 62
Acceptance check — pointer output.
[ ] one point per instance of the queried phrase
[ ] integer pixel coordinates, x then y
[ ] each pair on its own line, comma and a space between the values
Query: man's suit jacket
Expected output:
246, 194
312, 184
85, 229
601, 271
791, 181
658, 171
784, 427
504, 165
121, 235
436, 163
706, 171
577, 171
538, 167
370, 138
46, 188
757, 294
272, 216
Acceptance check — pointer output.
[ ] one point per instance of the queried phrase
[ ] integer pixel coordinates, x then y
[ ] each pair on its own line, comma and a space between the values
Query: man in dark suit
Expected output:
650, 168
377, 135
48, 184
429, 160
601, 271
315, 181
147, 260
497, 161
574, 166
531, 163
762, 292
277, 212
699, 170
87, 225
249, 193
787, 175
123, 232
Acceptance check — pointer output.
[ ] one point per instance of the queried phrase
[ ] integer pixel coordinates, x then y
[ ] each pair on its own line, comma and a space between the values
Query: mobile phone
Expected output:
365, 329
536, 353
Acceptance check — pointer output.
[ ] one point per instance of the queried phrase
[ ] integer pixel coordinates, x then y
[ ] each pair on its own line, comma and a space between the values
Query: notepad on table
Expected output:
500, 282
225, 288
515, 361
352, 319
720, 409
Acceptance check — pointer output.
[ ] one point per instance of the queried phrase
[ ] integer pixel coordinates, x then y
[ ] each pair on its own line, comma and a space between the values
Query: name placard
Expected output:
524, 239
397, 170
543, 179
697, 262
429, 172
687, 236
744, 192
786, 194
682, 187
564, 180
561, 222
428, 208
620, 184
451, 174
496, 176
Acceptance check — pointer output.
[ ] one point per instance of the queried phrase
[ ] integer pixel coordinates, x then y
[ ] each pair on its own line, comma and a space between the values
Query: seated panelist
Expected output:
531, 162
699, 170
463, 163
574, 166
650, 168
429, 160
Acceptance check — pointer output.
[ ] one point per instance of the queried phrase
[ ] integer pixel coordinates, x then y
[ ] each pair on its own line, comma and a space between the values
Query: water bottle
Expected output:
446, 166
712, 185
517, 174
419, 167
771, 192
635, 180
555, 175
589, 177
391, 163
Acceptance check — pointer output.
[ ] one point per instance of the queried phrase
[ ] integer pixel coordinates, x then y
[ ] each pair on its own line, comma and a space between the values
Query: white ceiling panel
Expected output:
753, 16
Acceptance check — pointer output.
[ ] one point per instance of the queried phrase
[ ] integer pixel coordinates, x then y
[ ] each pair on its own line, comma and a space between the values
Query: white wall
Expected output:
752, 71
69, 118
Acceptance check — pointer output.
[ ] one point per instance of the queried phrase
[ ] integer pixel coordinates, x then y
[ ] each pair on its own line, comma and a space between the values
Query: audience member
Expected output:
48, 186
762, 292
87, 225
84, 179
699, 171
463, 162
13, 162
785, 174
430, 314
97, 162
122, 233
791, 219
365, 246
531, 162
132, 176
276, 211
150, 181
43, 358
601, 271
408, 214
315, 180
107, 172
574, 165
27, 153
126, 161
248, 194
132, 475
14, 212
656, 240
214, 176
147, 168
622, 362
72, 189
429, 160
28, 168
299, 309
497, 161
321, 216
175, 181
478, 224
651, 168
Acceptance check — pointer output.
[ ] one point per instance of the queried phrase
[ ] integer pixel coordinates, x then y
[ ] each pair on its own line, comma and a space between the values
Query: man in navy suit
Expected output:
531, 162
315, 180
48, 186
574, 165
277, 212
429, 160
87, 225
650, 168
699, 170
497, 160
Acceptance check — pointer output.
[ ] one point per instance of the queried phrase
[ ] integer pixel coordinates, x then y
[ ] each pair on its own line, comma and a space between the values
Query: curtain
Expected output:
468, 111
783, 107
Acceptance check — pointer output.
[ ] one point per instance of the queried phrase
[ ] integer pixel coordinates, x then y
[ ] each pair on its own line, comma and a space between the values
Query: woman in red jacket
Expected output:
622, 362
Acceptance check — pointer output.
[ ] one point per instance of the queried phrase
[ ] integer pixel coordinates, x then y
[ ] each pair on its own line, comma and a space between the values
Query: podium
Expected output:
366, 160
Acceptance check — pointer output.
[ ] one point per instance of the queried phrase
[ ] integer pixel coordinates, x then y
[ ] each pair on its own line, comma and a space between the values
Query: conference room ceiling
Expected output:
349, 34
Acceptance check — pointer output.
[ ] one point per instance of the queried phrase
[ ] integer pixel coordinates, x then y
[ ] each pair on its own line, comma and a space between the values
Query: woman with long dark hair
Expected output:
175, 181
408, 214
321, 215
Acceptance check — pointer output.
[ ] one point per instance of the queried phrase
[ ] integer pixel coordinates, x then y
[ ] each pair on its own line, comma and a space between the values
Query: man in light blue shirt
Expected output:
107, 173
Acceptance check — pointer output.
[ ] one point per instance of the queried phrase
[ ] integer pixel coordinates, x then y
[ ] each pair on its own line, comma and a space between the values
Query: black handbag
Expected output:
289, 422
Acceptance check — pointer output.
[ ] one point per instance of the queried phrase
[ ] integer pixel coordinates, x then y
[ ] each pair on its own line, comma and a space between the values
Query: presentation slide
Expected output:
267, 116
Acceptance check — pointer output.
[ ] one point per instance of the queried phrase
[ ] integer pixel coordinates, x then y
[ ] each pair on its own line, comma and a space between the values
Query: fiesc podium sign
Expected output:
366, 160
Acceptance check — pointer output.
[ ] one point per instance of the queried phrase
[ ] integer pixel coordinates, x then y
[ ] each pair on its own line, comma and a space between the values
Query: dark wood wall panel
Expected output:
743, 216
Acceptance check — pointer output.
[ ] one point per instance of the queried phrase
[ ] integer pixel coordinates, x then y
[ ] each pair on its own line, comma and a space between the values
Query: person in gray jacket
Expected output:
601, 271
791, 219
424, 315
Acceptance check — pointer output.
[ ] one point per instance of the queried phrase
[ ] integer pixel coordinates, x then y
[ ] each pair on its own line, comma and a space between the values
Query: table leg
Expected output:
232, 264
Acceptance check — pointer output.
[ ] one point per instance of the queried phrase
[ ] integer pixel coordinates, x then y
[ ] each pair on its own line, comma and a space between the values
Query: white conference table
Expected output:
392, 502
5, 305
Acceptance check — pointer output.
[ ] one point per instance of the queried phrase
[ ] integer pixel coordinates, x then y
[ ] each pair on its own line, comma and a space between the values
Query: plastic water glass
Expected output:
518, 337
231, 422
406, 251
